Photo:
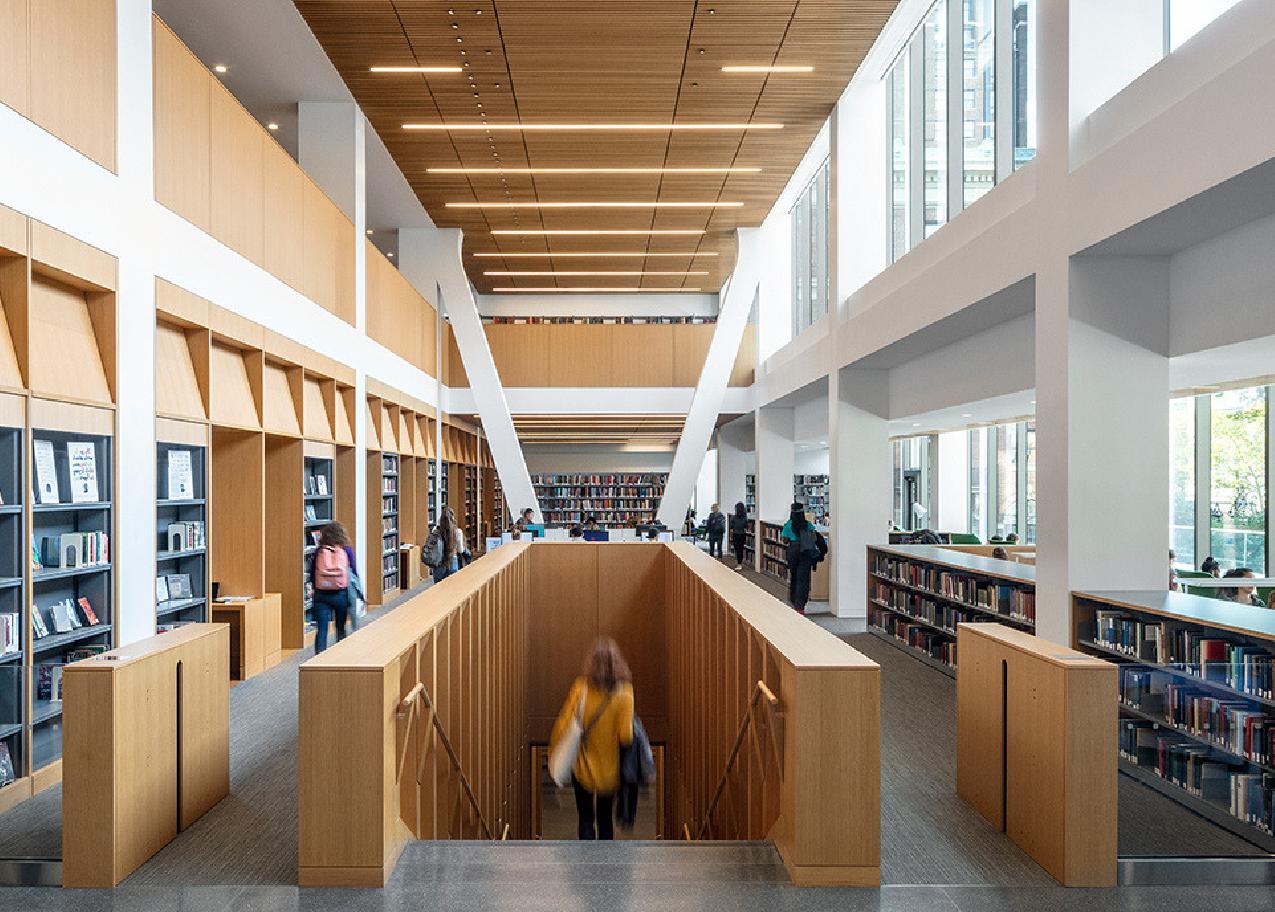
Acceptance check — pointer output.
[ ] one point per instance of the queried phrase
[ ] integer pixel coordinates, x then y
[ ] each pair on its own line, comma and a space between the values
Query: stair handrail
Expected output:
761, 696
408, 708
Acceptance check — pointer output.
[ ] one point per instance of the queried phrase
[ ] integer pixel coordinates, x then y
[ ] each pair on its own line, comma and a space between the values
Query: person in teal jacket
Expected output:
806, 547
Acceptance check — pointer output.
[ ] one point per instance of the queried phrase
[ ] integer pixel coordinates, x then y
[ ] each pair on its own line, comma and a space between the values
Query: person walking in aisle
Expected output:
806, 547
601, 699
716, 531
739, 534
331, 569
446, 543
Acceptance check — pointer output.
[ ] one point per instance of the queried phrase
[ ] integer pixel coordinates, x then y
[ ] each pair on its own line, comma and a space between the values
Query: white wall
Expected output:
556, 458
811, 460
953, 483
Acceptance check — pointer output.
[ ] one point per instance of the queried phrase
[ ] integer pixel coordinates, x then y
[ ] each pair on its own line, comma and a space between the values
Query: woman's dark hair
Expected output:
798, 517
740, 510
605, 668
591, 519
527, 513
446, 529
333, 535
1000, 553
576, 532
1210, 566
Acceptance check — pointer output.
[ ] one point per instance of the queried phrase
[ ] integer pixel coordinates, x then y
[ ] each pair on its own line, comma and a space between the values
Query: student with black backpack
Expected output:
716, 532
806, 547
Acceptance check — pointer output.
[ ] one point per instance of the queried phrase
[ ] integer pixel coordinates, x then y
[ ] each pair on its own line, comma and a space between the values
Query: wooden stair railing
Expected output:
762, 700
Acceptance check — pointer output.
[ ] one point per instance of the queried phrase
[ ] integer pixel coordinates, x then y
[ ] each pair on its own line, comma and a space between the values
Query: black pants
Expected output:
604, 816
737, 545
799, 582
715, 544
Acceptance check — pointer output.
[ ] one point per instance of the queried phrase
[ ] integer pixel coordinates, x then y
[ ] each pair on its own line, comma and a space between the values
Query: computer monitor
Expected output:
596, 535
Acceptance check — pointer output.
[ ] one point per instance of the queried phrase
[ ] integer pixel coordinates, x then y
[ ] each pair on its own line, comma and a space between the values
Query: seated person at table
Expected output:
591, 523
1244, 595
1000, 553
576, 532
1211, 566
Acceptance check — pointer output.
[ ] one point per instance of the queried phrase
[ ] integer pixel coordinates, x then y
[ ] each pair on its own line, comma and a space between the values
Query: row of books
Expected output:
581, 479
603, 503
1207, 656
940, 614
389, 541
1002, 598
186, 536
599, 321
389, 465
1232, 724
69, 550
589, 491
932, 643
389, 485
389, 565
389, 505
1246, 794
62, 617
388, 525
316, 485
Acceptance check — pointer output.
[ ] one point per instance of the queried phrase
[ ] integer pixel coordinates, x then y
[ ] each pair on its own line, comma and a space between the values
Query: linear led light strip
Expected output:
540, 232
595, 204
660, 127
639, 272
768, 69
597, 253
415, 69
593, 170
597, 290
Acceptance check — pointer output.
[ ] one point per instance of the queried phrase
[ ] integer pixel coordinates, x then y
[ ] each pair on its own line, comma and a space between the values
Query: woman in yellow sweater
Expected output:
602, 698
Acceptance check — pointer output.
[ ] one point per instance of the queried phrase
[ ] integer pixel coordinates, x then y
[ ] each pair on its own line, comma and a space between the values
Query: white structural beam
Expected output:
431, 256
710, 392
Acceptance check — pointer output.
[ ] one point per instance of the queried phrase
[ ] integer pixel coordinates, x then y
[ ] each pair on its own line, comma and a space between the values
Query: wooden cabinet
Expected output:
254, 634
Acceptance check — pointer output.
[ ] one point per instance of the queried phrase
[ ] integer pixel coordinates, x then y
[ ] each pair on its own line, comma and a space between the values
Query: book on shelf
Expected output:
10, 633
86, 609
48, 685
7, 772
181, 475
179, 586
63, 621
38, 627
321, 485
161, 589
46, 472
311, 514
81, 458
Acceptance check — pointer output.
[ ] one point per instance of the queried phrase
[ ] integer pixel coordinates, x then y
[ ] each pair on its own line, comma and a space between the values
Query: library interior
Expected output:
570, 454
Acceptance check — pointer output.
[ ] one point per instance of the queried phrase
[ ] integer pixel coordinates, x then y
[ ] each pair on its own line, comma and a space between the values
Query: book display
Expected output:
470, 519
917, 594
70, 553
431, 497
1196, 699
811, 490
617, 501
181, 530
320, 497
389, 521
750, 494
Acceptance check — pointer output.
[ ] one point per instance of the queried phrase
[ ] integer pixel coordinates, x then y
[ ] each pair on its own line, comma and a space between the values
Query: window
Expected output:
978, 76
1182, 481
810, 252
934, 99
1029, 507
1187, 17
1024, 53
899, 159
912, 483
978, 467
1237, 500
1006, 517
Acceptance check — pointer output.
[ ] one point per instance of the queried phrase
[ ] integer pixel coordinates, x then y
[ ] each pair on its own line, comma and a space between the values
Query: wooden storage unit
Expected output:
1206, 745
181, 523
287, 527
774, 561
1034, 752
147, 750
918, 594
254, 624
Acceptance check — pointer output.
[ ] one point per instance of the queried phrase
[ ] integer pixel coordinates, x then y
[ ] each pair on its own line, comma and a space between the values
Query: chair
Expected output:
963, 538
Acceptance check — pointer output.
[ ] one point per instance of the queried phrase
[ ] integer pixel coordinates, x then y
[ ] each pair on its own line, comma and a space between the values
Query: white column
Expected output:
952, 483
775, 464
135, 340
1102, 422
331, 148
859, 493
734, 463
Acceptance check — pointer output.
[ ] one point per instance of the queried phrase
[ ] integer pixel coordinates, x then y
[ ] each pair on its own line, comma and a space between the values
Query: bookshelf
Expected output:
750, 542
471, 516
811, 490
617, 500
918, 594
750, 494
71, 526
1196, 699
181, 532
13, 639
500, 520
389, 521
319, 494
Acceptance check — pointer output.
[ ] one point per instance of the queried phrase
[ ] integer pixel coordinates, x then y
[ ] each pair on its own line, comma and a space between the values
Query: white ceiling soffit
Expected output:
997, 410
274, 62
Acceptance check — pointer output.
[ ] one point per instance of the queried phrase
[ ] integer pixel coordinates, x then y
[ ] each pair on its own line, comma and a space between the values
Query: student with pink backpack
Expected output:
331, 572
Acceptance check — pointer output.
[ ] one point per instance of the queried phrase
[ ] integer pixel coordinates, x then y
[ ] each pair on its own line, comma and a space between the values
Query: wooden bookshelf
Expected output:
918, 594
618, 500
181, 524
1186, 658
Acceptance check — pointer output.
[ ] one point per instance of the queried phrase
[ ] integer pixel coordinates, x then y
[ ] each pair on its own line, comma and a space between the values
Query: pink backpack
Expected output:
331, 568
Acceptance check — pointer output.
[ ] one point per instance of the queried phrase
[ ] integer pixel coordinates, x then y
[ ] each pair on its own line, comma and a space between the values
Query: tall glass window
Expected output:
934, 99
1029, 431
1006, 516
1024, 52
1187, 17
978, 79
1237, 500
1182, 481
899, 158
978, 475
810, 252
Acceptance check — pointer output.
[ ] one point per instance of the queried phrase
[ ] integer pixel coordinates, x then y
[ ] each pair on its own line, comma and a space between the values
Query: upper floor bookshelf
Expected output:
616, 500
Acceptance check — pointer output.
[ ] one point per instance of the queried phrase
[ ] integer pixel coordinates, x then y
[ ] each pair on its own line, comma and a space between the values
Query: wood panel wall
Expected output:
398, 316
58, 68
607, 355
217, 167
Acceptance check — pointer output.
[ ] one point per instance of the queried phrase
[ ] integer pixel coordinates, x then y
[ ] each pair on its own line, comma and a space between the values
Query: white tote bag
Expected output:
562, 759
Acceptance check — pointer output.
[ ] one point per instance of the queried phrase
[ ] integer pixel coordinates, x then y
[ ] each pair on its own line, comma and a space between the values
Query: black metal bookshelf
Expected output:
389, 521
14, 642
181, 532
319, 497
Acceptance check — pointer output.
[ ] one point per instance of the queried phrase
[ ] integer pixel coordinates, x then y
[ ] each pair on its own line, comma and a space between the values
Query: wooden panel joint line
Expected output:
761, 696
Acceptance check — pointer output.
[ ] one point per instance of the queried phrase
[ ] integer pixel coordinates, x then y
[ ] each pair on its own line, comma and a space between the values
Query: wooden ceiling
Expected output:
640, 431
594, 62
